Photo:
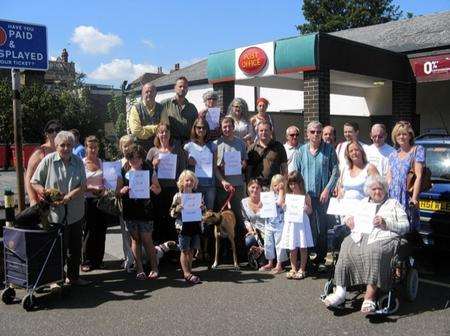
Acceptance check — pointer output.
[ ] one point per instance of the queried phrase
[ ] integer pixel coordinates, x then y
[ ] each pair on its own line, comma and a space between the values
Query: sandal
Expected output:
300, 275
141, 276
193, 279
333, 300
290, 275
276, 271
153, 275
265, 268
368, 307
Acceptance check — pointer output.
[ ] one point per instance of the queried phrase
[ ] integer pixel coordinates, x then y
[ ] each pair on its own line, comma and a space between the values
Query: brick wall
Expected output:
316, 86
226, 95
404, 104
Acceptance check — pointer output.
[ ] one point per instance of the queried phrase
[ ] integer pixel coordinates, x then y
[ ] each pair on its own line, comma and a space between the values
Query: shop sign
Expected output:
252, 60
431, 68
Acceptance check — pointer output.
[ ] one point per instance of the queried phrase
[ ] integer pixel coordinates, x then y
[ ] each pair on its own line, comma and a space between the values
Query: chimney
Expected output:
177, 66
64, 56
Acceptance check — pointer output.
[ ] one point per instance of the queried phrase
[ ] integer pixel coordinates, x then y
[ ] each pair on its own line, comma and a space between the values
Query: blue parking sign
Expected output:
23, 46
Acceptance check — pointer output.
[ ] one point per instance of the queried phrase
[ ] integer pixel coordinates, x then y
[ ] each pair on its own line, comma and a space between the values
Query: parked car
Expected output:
435, 203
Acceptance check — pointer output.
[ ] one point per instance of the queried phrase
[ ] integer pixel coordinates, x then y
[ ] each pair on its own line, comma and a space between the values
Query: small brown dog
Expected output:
224, 222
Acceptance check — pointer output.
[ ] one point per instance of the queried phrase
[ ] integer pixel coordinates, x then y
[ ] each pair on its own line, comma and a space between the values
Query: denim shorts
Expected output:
139, 225
189, 242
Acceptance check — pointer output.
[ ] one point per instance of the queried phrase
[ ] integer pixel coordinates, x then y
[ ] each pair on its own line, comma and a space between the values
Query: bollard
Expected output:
9, 207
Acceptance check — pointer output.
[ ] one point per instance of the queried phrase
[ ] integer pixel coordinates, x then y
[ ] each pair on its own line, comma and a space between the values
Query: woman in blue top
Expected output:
199, 148
406, 157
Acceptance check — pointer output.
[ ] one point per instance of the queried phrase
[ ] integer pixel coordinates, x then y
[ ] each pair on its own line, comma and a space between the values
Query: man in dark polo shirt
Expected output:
180, 112
266, 157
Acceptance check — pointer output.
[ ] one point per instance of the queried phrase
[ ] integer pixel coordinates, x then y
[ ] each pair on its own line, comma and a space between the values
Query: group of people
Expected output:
245, 161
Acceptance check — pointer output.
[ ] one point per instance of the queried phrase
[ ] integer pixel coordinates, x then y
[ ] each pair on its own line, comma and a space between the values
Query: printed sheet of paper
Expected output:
111, 170
364, 216
204, 162
294, 208
342, 207
233, 165
139, 183
191, 211
213, 117
268, 209
167, 166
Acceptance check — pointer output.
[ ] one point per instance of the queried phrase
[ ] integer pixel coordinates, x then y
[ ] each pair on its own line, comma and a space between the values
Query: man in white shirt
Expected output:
378, 153
291, 145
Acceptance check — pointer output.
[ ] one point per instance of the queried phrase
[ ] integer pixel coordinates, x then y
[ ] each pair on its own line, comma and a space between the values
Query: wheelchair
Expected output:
404, 274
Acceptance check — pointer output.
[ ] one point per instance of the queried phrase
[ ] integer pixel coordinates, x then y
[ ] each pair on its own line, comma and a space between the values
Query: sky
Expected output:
112, 41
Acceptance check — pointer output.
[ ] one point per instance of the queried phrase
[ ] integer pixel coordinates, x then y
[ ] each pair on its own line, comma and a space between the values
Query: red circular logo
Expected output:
252, 60
2, 36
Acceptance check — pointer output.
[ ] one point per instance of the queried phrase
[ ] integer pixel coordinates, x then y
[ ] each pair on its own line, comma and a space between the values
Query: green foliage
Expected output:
333, 15
6, 112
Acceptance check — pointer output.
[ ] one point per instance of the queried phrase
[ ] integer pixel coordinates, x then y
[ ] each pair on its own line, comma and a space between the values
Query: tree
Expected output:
333, 15
6, 120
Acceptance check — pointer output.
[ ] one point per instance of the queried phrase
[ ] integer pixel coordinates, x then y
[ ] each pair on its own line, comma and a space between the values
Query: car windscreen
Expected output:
438, 160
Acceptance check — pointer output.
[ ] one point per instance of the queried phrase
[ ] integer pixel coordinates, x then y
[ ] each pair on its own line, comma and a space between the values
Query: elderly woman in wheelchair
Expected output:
366, 258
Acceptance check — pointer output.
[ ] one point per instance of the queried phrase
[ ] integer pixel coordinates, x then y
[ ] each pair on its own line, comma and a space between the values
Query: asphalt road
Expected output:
226, 303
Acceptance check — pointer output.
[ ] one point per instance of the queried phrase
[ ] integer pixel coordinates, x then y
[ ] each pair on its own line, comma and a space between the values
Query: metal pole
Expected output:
17, 117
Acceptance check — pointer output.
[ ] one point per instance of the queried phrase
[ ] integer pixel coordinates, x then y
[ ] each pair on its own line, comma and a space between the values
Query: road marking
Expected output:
437, 283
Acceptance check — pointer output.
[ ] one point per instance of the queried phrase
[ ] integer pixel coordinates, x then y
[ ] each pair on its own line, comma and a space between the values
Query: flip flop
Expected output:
265, 268
276, 271
290, 275
141, 276
153, 275
300, 275
192, 279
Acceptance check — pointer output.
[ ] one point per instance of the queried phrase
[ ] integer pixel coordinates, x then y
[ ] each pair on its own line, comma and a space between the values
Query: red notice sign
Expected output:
431, 68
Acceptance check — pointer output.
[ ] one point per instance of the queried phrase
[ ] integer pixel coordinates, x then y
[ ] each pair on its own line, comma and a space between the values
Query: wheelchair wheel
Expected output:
28, 302
384, 308
411, 285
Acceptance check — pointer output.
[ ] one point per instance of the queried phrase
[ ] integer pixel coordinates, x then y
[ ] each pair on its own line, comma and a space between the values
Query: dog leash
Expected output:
227, 201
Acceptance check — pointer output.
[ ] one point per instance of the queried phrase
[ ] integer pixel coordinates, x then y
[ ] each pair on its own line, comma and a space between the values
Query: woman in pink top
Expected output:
94, 231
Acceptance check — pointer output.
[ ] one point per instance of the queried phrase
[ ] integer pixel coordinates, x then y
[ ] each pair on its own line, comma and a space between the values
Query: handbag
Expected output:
109, 203
411, 177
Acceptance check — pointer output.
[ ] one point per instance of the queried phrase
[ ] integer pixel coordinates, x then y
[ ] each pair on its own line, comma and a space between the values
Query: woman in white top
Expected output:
355, 172
94, 231
238, 110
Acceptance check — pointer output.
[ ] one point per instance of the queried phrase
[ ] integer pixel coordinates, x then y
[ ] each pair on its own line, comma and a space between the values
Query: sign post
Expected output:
22, 46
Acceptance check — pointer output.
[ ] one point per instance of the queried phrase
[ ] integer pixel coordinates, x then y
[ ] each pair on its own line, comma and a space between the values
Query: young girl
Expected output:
125, 143
189, 232
298, 235
274, 227
137, 213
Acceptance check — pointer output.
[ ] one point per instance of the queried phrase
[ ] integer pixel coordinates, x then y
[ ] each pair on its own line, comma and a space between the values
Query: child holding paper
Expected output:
274, 227
297, 234
189, 232
137, 213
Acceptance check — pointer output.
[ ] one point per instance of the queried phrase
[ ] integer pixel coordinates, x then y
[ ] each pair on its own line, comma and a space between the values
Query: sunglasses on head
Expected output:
53, 130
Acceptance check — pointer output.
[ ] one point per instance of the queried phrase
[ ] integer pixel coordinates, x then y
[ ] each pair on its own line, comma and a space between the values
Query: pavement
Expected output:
227, 302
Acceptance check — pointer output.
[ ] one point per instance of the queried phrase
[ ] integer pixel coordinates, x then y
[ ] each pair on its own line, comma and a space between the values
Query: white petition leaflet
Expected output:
364, 215
167, 166
294, 208
139, 183
212, 117
269, 209
233, 165
191, 211
334, 207
111, 170
204, 162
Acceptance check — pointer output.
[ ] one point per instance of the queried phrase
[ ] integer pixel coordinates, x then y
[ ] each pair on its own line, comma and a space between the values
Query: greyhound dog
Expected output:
224, 223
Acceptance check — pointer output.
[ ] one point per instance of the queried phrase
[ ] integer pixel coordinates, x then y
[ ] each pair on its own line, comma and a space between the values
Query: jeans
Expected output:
320, 223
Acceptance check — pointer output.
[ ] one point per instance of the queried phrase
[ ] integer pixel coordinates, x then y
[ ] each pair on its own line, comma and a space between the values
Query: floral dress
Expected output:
399, 171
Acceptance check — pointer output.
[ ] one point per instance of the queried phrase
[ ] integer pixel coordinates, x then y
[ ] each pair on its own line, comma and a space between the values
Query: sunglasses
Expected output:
294, 135
315, 132
200, 127
53, 130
